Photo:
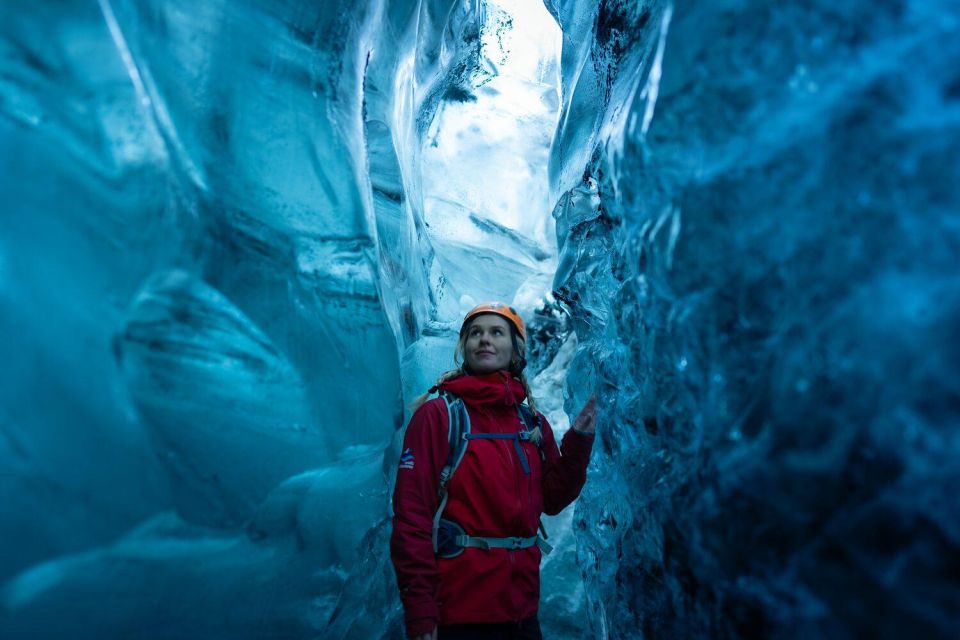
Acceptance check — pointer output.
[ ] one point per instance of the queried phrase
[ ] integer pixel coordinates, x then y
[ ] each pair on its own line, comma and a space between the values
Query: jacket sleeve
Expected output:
565, 469
425, 450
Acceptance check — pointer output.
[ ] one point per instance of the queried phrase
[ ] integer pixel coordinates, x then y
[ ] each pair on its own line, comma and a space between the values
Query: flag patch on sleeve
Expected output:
406, 459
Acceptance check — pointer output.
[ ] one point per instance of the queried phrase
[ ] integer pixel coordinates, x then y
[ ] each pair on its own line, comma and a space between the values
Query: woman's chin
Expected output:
483, 368
482, 371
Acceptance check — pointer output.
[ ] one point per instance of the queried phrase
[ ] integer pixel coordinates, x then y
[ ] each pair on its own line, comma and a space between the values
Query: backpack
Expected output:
449, 538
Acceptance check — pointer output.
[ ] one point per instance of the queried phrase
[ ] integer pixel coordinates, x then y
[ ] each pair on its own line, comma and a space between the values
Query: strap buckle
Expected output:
545, 547
515, 543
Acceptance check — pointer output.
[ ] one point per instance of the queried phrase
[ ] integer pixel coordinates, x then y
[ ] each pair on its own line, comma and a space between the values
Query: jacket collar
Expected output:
498, 388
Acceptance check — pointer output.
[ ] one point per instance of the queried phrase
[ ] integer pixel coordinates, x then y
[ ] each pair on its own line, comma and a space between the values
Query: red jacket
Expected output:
489, 495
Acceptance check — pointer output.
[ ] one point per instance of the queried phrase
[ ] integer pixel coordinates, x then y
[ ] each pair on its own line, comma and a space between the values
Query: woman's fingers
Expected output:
591, 405
586, 421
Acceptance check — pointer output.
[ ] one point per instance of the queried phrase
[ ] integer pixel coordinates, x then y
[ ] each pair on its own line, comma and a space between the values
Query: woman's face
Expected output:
488, 346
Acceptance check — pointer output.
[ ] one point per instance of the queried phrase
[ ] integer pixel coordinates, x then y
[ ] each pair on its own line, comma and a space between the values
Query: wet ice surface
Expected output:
237, 267
766, 296
239, 237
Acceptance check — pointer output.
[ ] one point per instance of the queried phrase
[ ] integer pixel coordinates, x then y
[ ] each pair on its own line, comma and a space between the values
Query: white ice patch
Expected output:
485, 164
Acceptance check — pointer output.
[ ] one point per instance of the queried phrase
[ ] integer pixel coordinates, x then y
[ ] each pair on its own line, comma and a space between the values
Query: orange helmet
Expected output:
501, 309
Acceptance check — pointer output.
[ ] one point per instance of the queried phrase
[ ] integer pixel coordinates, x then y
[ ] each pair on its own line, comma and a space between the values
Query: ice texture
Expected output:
758, 212
238, 238
226, 280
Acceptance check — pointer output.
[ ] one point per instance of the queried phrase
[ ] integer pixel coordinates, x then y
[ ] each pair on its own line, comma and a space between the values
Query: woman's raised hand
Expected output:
586, 422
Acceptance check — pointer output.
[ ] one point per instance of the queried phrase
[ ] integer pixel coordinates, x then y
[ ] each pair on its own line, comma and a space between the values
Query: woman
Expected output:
466, 550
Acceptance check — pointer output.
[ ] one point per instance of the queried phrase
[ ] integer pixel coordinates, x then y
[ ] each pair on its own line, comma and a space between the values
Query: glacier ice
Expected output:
228, 411
238, 238
764, 289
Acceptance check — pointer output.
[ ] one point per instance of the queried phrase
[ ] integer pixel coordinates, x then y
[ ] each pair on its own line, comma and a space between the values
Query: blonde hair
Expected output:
519, 351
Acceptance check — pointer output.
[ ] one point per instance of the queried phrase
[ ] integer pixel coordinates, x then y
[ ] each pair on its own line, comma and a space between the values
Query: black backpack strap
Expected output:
534, 426
458, 427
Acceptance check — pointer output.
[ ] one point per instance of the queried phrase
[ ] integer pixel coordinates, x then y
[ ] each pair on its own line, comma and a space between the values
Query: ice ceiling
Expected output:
237, 238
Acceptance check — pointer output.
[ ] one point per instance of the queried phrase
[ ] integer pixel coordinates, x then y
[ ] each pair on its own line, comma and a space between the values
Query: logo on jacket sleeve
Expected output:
406, 459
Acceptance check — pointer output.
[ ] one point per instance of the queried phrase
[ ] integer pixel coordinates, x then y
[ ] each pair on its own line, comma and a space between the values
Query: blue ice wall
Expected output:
220, 293
203, 370
760, 224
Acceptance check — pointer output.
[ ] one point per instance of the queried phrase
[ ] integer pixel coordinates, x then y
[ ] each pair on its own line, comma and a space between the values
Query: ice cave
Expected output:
237, 240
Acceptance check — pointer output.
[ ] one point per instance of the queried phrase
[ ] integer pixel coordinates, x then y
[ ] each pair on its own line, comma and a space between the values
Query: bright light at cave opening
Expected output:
487, 155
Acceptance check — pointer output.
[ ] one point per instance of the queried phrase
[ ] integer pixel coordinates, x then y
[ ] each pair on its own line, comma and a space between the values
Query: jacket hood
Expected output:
499, 388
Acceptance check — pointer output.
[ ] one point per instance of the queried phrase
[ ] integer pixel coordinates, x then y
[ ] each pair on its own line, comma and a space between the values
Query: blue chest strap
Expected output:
522, 436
